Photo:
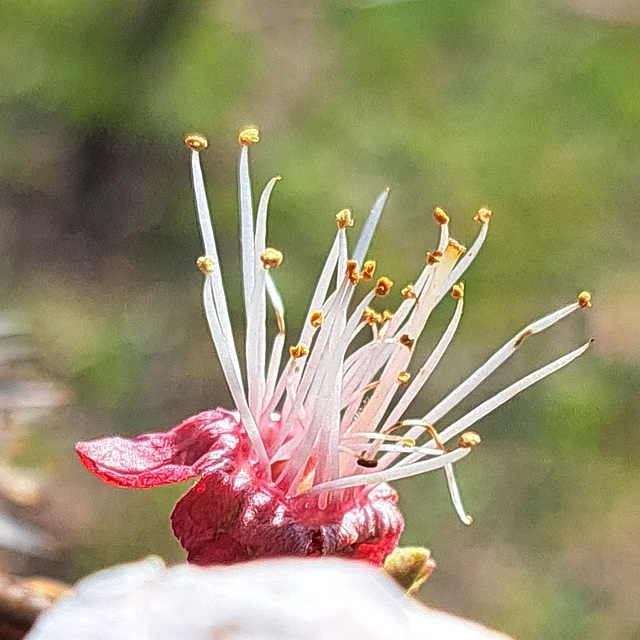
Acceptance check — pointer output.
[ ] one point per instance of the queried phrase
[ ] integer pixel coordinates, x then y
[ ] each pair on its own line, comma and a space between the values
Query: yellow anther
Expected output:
433, 257
383, 286
387, 316
457, 291
406, 341
298, 351
469, 439
316, 318
271, 258
352, 272
196, 142
371, 317
403, 377
440, 216
205, 264
368, 269
455, 245
408, 293
248, 136
584, 299
483, 215
408, 443
344, 219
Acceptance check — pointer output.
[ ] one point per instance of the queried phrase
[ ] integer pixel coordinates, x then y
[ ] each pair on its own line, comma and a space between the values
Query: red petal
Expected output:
208, 441
226, 519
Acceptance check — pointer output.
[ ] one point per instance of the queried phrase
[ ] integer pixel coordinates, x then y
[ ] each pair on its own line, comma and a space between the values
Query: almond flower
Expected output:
301, 466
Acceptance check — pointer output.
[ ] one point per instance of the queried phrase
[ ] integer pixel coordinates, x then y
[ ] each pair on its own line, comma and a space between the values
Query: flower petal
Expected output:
212, 440
226, 519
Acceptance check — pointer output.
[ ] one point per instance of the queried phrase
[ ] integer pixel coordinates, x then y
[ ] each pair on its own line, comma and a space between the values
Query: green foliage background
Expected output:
530, 107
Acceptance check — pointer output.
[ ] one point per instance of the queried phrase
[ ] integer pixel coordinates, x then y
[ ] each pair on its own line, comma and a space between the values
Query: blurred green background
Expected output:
531, 107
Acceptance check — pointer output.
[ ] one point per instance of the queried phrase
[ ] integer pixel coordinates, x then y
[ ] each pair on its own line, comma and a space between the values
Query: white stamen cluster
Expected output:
340, 407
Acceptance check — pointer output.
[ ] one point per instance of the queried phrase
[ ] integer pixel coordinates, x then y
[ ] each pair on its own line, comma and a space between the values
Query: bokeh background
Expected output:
529, 106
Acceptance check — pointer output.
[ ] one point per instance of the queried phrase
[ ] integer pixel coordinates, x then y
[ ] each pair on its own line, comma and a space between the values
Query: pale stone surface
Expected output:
282, 599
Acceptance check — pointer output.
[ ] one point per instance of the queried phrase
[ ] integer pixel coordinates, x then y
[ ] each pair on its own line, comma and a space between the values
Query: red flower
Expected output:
235, 511
301, 467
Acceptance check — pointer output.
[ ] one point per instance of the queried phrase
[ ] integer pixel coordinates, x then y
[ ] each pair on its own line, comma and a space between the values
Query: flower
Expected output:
282, 598
302, 464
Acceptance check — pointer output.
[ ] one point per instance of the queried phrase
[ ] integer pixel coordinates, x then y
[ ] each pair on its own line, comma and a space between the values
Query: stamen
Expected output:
383, 286
368, 269
271, 258
352, 272
433, 257
483, 215
584, 300
406, 341
368, 463
469, 439
344, 219
316, 318
248, 136
387, 316
403, 377
298, 351
440, 216
408, 293
457, 291
196, 142
206, 264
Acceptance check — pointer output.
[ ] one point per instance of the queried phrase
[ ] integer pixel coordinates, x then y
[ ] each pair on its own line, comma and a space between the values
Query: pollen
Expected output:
352, 272
403, 377
196, 142
483, 216
469, 439
406, 341
457, 291
408, 292
205, 264
383, 286
316, 318
271, 258
433, 257
440, 216
368, 269
584, 300
344, 219
248, 136
298, 351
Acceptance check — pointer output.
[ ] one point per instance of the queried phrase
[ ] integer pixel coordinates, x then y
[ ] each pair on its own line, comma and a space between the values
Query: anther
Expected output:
440, 216
368, 463
316, 318
383, 286
387, 316
457, 291
433, 257
352, 272
205, 264
408, 443
456, 246
406, 341
371, 317
298, 351
469, 439
522, 337
368, 269
344, 219
408, 292
248, 136
403, 377
584, 299
196, 142
271, 258
483, 215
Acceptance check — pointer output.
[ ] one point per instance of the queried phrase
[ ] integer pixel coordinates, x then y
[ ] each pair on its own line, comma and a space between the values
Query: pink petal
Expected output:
210, 440
225, 519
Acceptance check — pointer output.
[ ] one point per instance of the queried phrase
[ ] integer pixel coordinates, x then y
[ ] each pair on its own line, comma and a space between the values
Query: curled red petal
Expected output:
212, 440
225, 519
